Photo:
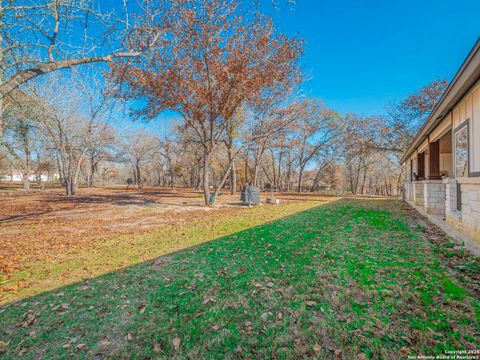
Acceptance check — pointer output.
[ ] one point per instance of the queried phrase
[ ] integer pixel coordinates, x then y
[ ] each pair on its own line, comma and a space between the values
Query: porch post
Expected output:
421, 166
434, 160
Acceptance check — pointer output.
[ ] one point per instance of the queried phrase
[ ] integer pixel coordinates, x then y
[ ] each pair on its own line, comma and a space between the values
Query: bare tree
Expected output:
41, 36
38, 37
137, 147
73, 124
20, 137
315, 130
404, 118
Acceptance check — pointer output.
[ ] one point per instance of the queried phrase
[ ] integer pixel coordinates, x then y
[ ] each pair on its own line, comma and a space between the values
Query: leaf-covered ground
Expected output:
49, 240
349, 279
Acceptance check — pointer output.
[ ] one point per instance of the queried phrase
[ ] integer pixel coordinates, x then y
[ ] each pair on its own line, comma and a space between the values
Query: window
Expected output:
461, 151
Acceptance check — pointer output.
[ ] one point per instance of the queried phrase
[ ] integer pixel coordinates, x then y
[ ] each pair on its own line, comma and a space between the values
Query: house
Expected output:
443, 160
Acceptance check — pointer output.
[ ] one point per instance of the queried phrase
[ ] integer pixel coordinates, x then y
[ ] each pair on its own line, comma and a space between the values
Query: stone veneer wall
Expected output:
434, 197
471, 206
409, 189
418, 196
450, 196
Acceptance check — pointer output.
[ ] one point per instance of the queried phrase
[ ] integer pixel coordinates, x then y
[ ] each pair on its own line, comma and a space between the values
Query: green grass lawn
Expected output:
349, 279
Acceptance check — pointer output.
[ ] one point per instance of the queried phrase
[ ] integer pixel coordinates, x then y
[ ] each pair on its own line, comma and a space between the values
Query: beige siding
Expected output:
475, 133
446, 163
441, 128
469, 109
423, 146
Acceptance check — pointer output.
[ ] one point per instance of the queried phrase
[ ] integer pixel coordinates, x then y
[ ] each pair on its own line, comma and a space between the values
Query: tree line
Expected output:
227, 79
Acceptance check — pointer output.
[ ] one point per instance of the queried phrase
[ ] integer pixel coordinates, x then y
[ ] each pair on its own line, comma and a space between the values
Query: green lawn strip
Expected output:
332, 279
111, 254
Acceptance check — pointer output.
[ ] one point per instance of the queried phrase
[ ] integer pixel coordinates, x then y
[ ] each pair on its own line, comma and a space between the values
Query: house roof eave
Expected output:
466, 77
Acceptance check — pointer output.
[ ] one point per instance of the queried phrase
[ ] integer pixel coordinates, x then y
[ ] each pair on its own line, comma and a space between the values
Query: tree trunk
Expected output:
233, 179
300, 174
26, 180
274, 170
233, 172
289, 170
70, 185
224, 178
279, 167
363, 180
91, 172
206, 183
255, 174
316, 179
246, 166
138, 176
26, 172
258, 159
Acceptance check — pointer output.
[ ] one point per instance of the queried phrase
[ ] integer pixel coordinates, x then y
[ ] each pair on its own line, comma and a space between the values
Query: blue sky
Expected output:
364, 55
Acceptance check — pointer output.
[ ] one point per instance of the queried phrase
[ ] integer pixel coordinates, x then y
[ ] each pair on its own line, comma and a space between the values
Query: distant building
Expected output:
16, 176
443, 161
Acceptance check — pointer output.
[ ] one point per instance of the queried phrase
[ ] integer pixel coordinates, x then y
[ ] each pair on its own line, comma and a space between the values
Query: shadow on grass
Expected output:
203, 242
305, 285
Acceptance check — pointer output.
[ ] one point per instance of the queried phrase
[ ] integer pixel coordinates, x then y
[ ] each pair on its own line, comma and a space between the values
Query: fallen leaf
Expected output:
317, 348
405, 350
310, 303
30, 320
142, 308
209, 300
66, 346
176, 343
216, 327
157, 349
79, 346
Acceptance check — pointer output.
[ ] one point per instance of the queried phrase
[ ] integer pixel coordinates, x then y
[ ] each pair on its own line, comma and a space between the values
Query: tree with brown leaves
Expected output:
214, 58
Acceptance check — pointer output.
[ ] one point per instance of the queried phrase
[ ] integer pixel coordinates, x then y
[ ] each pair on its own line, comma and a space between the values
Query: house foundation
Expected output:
470, 199
434, 197
418, 193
